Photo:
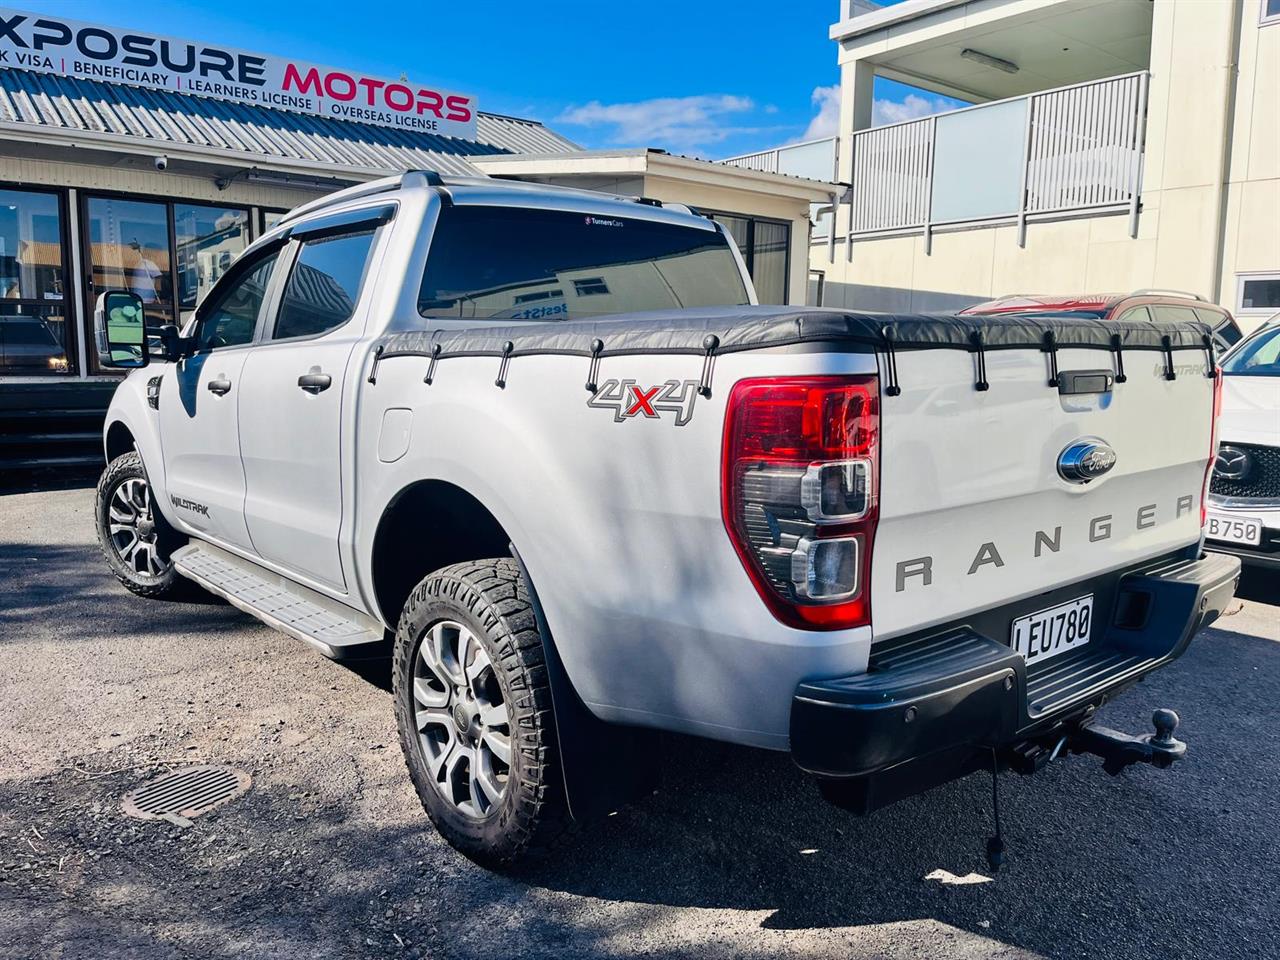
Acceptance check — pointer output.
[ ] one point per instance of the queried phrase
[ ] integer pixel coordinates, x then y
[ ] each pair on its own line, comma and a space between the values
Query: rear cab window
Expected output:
507, 263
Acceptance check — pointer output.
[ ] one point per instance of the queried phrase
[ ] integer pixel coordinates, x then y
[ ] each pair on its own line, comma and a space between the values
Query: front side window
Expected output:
324, 286
230, 317
208, 240
1259, 356
520, 264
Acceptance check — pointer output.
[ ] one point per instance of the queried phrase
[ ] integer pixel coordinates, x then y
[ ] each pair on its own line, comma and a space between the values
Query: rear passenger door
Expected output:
291, 404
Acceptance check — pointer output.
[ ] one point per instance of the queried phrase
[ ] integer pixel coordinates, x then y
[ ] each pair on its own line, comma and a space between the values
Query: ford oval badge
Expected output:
1085, 459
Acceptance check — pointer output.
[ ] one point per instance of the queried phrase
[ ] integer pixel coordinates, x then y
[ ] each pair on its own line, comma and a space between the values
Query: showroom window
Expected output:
170, 253
1258, 293
34, 332
765, 246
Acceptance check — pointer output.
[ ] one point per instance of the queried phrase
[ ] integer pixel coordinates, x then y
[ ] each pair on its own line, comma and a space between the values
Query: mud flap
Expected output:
605, 766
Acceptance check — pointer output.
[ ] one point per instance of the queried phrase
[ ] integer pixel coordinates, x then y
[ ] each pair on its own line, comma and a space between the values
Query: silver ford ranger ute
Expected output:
542, 447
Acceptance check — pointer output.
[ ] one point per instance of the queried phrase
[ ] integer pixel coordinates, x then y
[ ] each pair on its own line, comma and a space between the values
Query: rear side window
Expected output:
519, 264
324, 285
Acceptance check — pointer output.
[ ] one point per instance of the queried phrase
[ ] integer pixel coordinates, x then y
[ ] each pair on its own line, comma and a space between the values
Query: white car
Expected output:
542, 444
1244, 495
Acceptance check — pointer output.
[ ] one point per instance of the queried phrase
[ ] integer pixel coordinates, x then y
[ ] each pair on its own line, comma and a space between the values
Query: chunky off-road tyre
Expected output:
134, 536
474, 710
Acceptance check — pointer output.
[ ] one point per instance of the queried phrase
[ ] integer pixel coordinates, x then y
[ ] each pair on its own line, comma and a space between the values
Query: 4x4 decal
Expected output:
627, 399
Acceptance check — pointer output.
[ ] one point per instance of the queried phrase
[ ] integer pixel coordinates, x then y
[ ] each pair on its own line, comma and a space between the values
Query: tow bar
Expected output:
1119, 750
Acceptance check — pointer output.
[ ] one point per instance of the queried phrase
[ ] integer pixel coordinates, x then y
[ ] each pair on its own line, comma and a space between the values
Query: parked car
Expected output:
27, 344
1244, 494
1154, 304
901, 548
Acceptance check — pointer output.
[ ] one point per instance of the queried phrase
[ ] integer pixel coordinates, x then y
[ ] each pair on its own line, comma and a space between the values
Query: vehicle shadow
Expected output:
739, 828
1148, 864
49, 584
1260, 586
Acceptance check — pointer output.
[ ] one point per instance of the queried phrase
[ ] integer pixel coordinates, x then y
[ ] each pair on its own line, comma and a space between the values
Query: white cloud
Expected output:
827, 121
911, 107
672, 122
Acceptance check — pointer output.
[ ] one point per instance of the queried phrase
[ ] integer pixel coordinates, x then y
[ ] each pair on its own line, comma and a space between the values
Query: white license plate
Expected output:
1224, 526
1048, 633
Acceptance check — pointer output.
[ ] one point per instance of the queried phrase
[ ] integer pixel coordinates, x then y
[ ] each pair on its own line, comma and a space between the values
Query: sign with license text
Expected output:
69, 48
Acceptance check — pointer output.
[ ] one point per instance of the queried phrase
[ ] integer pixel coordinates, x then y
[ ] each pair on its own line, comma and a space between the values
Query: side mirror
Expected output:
120, 328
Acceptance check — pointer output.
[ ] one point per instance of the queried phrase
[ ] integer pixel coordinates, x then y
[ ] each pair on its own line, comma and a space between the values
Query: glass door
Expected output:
128, 249
35, 337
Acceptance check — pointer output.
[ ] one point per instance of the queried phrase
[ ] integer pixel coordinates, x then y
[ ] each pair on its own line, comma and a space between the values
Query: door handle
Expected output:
314, 383
220, 386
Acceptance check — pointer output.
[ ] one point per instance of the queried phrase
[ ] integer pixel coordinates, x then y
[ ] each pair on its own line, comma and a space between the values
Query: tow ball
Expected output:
1119, 750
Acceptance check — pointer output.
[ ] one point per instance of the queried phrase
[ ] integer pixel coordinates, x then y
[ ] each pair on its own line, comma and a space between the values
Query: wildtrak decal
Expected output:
918, 571
191, 505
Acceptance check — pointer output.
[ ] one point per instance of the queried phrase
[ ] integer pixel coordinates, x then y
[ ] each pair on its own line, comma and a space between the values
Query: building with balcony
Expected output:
1111, 145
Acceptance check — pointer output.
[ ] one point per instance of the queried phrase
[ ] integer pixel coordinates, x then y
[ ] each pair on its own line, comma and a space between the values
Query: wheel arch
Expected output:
118, 439
428, 525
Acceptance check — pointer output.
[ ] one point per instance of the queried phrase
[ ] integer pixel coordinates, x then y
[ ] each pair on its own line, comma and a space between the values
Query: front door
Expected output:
200, 398
291, 409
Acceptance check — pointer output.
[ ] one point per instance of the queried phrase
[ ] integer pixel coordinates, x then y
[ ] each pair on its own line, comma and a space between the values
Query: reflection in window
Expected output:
32, 339
765, 248
208, 240
129, 250
504, 263
324, 286
230, 319
33, 328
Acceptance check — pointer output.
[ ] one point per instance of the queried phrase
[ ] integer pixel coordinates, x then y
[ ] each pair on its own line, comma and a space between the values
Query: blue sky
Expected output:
710, 78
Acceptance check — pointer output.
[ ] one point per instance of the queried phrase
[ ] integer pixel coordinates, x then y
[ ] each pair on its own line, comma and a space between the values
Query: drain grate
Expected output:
179, 795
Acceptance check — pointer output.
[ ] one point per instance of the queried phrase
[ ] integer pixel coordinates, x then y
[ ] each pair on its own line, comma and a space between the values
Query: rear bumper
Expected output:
1262, 557
954, 693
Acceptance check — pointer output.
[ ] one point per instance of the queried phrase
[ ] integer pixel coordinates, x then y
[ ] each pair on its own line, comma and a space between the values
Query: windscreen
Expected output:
520, 264
1259, 356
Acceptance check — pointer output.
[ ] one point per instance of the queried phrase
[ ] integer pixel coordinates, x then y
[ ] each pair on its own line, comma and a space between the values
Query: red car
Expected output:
1154, 304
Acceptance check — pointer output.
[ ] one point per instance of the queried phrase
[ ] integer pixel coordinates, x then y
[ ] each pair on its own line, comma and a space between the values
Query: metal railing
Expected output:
1076, 148
814, 159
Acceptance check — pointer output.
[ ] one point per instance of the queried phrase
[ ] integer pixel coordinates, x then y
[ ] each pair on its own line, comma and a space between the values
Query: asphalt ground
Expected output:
330, 856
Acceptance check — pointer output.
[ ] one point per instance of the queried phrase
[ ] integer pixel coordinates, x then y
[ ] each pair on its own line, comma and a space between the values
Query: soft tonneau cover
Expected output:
733, 329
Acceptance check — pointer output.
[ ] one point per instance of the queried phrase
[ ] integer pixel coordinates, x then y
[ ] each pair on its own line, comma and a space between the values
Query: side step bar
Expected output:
336, 630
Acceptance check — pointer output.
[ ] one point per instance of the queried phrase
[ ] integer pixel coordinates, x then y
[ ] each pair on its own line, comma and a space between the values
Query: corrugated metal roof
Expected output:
87, 105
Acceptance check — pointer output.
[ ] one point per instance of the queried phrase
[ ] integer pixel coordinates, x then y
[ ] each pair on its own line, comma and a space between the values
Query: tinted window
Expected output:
229, 318
513, 264
324, 285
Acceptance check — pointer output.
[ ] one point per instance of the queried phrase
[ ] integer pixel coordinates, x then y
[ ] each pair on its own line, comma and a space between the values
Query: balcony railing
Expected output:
1073, 149
814, 159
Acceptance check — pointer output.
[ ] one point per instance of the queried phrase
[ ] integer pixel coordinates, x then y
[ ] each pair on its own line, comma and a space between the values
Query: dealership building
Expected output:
148, 163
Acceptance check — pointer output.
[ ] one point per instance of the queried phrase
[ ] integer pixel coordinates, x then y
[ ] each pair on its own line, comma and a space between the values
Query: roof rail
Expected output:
1157, 291
410, 178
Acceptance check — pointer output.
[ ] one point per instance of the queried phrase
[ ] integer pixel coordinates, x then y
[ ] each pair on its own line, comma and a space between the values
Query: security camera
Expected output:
162, 162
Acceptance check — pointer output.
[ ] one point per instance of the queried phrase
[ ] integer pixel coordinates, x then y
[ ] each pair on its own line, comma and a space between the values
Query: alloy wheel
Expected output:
460, 713
132, 528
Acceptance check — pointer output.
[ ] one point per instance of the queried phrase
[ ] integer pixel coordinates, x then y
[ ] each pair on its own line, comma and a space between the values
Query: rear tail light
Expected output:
1213, 443
799, 488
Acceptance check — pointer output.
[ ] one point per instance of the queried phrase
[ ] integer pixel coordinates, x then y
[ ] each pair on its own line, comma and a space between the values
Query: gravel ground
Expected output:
329, 854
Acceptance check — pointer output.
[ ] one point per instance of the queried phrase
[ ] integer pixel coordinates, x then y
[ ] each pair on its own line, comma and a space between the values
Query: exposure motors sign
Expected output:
69, 48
